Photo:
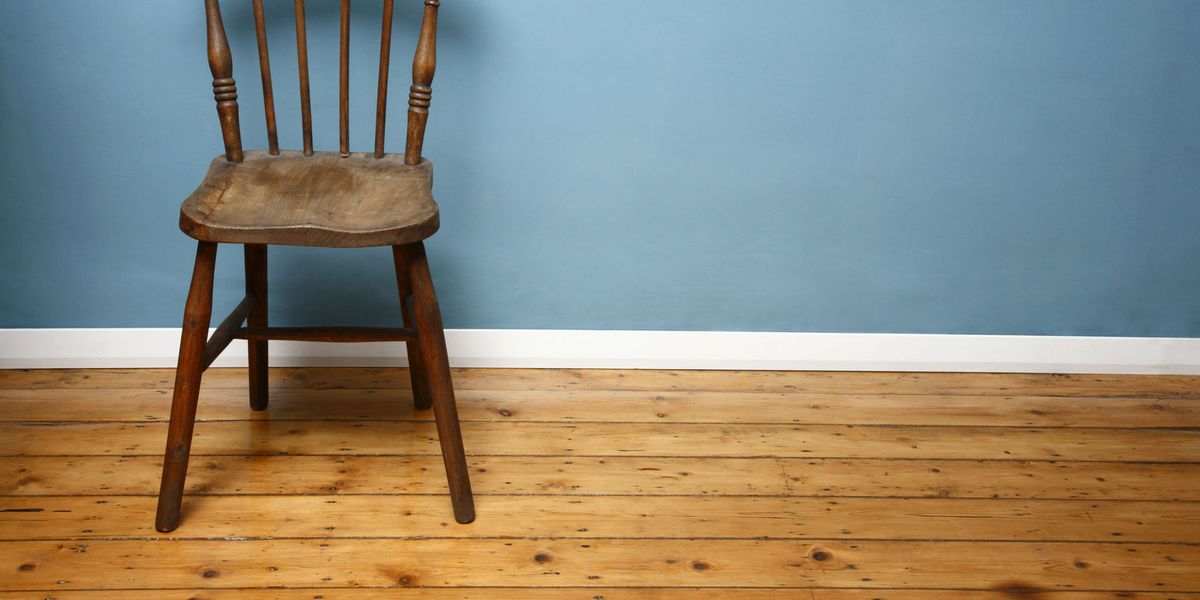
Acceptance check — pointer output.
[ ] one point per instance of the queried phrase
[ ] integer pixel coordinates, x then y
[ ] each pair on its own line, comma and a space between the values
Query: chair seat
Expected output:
321, 200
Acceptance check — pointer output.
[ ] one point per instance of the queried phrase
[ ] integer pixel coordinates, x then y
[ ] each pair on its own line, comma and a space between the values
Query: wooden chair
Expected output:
306, 198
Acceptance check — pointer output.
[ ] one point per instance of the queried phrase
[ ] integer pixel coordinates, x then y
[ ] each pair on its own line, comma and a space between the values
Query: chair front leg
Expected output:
256, 283
196, 317
431, 343
416, 366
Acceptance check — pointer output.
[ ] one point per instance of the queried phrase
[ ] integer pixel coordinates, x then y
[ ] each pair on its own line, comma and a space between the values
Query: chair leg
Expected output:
256, 283
196, 317
416, 366
431, 342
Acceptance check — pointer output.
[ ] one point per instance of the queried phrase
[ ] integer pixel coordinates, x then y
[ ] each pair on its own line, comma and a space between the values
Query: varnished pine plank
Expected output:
392, 475
1002, 592
39, 476
997, 384
549, 562
586, 517
616, 406
611, 439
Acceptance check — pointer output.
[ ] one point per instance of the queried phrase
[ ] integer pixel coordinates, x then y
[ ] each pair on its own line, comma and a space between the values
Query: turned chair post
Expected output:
421, 93
220, 60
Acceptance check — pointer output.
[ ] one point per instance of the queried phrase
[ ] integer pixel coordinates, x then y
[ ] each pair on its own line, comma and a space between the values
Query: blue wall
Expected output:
963, 166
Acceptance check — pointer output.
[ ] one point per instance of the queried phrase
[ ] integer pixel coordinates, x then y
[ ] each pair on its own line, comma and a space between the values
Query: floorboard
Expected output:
612, 475
297, 404
597, 517
1007, 591
409, 438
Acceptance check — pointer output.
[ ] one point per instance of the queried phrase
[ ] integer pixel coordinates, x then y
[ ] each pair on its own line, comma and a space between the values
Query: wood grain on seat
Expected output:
321, 200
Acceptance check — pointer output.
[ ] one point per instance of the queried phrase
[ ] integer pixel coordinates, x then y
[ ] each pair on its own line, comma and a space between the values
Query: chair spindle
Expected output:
344, 83
421, 93
302, 61
385, 53
264, 63
220, 61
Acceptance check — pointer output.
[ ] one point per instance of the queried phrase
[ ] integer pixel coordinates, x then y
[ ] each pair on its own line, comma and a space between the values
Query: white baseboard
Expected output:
157, 347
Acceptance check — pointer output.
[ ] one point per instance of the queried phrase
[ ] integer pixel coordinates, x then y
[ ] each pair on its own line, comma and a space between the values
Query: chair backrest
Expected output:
220, 60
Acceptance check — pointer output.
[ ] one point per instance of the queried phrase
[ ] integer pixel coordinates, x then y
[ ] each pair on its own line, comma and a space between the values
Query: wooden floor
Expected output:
610, 485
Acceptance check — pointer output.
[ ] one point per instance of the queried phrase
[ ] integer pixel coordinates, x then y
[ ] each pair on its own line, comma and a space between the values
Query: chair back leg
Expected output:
196, 317
256, 284
416, 366
431, 344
